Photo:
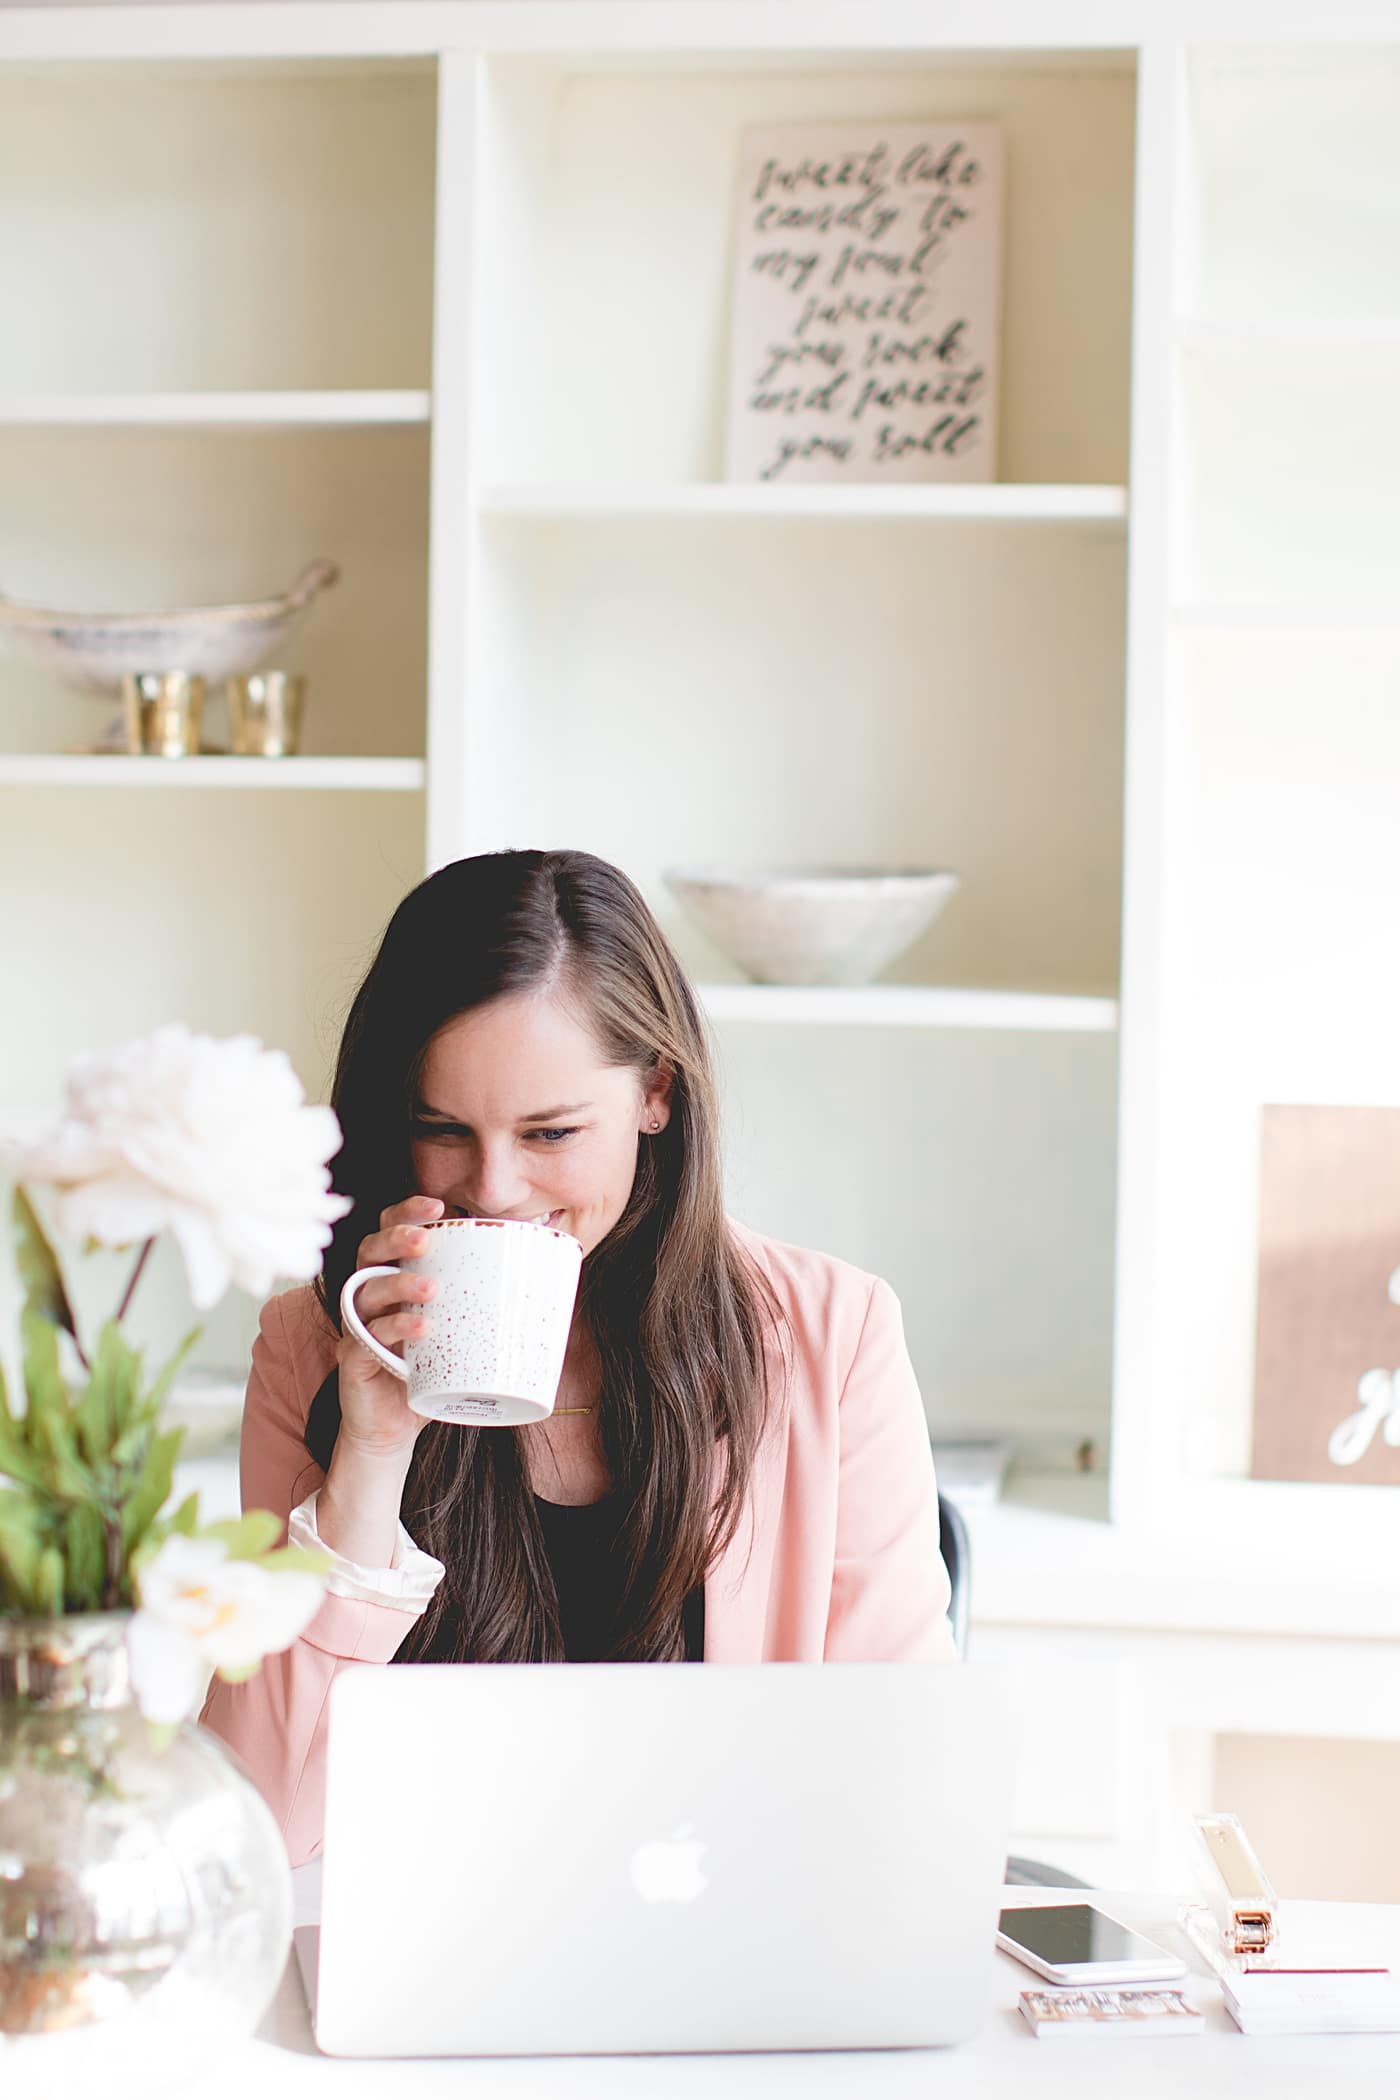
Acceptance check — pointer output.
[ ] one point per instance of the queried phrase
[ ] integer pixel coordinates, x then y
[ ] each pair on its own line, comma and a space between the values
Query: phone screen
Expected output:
1066, 1934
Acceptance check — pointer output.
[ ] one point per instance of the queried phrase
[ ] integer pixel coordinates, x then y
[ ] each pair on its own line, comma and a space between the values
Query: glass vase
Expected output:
145, 1894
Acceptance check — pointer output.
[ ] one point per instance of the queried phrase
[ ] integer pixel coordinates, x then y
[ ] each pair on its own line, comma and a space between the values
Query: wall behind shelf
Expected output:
140, 519
975, 1172
775, 690
233, 912
1297, 181
1295, 459
196, 227
609, 215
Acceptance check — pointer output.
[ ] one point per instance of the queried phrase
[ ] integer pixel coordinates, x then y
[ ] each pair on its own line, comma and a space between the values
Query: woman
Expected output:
737, 1468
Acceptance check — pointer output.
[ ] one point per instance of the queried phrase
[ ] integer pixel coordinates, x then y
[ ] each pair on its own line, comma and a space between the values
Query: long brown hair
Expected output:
681, 1319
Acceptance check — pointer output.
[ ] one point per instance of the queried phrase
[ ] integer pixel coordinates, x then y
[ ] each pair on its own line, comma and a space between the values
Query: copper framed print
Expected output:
1327, 1348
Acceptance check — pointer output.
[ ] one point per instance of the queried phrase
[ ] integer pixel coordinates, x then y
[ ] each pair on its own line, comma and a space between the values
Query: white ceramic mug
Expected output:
500, 1320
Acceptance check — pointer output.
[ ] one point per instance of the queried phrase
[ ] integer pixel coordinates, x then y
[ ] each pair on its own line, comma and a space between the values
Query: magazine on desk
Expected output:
1110, 2009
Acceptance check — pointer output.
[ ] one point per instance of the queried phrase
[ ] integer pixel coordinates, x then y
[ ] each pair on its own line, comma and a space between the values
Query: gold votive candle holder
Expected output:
164, 713
265, 713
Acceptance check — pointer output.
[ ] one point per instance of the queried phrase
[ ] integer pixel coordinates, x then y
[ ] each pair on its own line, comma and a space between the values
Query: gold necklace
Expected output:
573, 1410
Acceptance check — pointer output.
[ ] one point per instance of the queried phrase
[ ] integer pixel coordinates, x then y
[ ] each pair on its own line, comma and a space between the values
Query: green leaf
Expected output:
21, 1542
166, 1376
85, 1542
71, 1479
186, 1517
295, 1560
239, 1673
134, 1442
141, 1555
65, 1477
43, 1374
247, 1537
184, 1521
49, 1421
152, 1489
17, 1459
113, 1386
39, 1273
48, 1584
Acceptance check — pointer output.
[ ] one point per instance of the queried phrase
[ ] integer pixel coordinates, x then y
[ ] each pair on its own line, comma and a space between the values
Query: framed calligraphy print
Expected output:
867, 304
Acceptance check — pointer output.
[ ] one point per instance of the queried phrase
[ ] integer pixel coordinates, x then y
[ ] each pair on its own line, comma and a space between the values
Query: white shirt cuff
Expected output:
407, 1583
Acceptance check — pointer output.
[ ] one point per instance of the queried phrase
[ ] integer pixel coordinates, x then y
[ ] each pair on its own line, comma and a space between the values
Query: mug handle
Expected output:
358, 1328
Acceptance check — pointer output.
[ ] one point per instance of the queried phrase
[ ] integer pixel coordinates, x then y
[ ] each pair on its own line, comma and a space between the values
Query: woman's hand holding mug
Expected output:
357, 1509
374, 1412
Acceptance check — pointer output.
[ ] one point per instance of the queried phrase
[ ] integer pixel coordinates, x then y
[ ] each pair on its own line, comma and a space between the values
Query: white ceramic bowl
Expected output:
812, 925
96, 650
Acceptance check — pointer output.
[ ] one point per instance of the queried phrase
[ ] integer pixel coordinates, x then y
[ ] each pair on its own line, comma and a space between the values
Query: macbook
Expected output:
546, 1859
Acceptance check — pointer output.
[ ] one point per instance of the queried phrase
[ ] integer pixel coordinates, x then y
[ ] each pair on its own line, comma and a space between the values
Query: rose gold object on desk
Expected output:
265, 711
164, 710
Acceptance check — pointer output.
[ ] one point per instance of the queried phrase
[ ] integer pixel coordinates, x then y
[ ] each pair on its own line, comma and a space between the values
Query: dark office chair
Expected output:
953, 1544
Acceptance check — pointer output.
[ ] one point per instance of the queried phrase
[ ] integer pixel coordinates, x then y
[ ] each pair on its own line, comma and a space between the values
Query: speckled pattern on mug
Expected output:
500, 1321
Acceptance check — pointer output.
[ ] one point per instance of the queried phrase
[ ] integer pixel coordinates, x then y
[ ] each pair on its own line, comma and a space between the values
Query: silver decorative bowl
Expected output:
816, 925
95, 651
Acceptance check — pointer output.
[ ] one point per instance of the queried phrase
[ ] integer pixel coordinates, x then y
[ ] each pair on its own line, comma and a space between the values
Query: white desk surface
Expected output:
282, 2062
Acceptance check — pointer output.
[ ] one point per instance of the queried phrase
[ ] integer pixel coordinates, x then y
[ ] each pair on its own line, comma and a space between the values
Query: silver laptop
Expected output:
571, 1859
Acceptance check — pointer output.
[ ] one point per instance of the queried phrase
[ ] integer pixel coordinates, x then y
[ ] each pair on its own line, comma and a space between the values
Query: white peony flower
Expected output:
211, 1140
199, 1609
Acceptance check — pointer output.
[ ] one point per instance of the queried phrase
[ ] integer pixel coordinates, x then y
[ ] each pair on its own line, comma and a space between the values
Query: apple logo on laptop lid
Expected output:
668, 1870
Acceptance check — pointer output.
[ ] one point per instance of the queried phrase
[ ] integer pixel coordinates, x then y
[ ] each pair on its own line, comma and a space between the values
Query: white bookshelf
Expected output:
319, 314
769, 673
224, 265
1283, 620
905, 1006
342, 409
119, 772
1282, 332
357, 226
996, 503
1265, 859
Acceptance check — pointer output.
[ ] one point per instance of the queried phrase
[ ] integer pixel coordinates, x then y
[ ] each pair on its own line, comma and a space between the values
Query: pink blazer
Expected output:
837, 1559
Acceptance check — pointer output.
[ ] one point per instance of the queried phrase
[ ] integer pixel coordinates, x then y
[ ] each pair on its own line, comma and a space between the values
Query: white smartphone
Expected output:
1075, 1943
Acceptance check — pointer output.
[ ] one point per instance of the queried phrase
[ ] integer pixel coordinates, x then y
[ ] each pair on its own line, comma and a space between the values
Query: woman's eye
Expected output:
457, 1133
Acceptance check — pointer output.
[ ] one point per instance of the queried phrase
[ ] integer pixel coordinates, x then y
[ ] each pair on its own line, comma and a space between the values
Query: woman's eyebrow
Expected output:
542, 1115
